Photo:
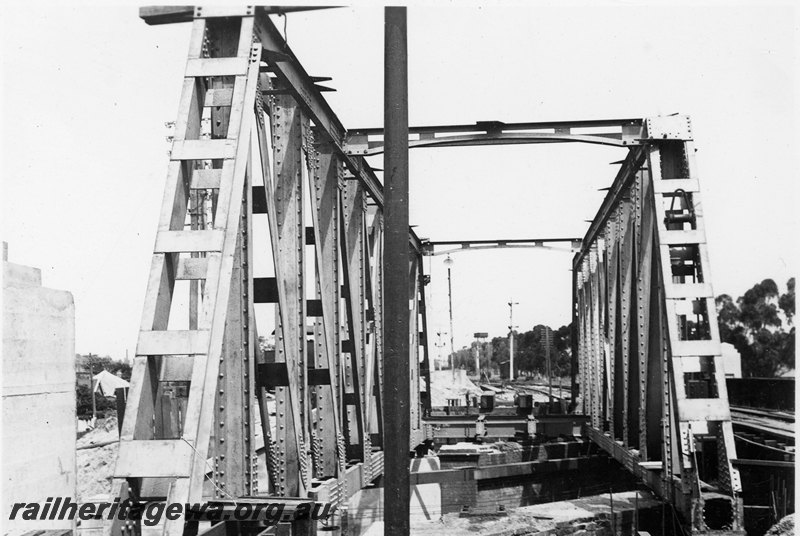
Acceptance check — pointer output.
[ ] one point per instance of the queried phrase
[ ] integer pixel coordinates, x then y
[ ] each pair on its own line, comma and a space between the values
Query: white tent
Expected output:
106, 383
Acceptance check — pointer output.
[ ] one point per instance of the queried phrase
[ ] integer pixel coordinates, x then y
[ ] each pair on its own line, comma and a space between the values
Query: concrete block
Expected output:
19, 276
426, 499
38, 381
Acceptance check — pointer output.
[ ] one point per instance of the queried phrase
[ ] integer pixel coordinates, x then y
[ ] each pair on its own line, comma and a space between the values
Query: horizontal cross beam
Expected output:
507, 470
615, 132
156, 15
499, 241
458, 426
573, 244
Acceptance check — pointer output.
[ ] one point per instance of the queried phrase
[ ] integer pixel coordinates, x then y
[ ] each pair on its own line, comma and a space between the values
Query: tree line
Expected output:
530, 352
759, 324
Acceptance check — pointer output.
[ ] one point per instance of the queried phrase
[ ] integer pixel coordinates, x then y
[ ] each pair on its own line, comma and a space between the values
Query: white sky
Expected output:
87, 89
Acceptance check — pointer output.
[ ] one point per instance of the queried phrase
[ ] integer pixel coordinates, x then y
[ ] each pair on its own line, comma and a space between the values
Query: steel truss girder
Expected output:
244, 147
649, 377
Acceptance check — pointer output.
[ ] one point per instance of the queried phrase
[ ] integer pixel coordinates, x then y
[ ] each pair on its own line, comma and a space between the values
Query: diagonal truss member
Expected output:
257, 172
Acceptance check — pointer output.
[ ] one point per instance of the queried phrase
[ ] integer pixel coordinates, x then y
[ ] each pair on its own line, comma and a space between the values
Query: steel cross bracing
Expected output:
646, 342
648, 356
569, 245
257, 153
614, 132
257, 148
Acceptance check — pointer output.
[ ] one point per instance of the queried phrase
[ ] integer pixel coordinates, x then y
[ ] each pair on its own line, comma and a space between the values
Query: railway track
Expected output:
771, 422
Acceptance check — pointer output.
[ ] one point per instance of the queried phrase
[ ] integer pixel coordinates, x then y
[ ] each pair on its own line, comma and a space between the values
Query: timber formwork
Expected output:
263, 208
647, 351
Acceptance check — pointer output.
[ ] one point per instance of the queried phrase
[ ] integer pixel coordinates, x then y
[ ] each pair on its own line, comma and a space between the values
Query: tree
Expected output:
755, 327
529, 350
562, 339
83, 397
786, 301
759, 306
123, 370
84, 400
96, 364
499, 350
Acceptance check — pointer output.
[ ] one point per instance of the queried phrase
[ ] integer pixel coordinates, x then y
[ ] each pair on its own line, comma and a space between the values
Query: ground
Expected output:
96, 456
784, 527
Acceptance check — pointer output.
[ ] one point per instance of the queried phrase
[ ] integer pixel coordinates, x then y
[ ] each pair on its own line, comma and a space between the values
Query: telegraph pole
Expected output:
511, 327
449, 263
91, 377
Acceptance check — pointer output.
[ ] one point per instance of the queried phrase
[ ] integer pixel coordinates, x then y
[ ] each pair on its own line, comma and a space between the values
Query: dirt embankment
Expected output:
96, 456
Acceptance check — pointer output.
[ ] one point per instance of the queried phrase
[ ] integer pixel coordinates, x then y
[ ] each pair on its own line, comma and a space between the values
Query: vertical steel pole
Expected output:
573, 336
396, 396
449, 263
511, 354
549, 369
450, 297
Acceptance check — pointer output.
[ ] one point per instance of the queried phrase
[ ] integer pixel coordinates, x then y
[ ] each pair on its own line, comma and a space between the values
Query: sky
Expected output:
87, 88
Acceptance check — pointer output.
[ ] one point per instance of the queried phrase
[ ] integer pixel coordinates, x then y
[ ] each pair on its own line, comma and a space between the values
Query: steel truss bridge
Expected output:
257, 150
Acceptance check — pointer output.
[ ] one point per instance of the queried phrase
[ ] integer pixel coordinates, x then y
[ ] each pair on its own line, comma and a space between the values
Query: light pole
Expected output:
511, 327
449, 263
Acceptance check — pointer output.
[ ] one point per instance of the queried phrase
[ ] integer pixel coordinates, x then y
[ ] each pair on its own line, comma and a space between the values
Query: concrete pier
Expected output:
38, 383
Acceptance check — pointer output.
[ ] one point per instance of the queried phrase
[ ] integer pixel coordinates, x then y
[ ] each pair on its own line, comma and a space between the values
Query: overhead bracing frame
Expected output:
257, 171
613, 132
647, 357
